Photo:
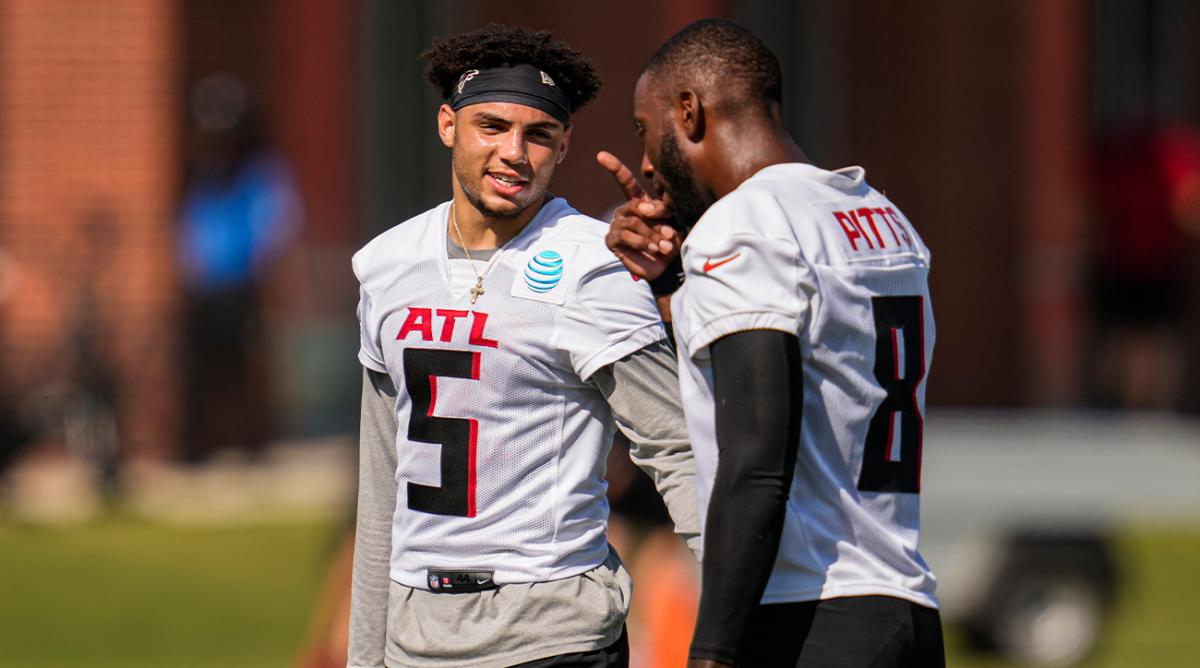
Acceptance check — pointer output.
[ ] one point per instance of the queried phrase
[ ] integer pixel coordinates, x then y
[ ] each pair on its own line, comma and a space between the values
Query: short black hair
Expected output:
722, 49
496, 45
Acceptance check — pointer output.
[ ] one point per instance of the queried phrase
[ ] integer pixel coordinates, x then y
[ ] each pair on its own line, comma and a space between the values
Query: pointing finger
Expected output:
624, 176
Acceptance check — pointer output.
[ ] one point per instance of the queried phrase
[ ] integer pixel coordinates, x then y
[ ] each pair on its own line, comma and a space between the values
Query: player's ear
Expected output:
690, 112
562, 146
446, 121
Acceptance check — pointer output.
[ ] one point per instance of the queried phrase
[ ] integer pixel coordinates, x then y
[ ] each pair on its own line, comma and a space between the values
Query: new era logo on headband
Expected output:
470, 74
546, 78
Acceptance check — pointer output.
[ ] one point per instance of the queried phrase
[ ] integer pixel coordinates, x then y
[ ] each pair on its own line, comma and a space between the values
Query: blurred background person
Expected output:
239, 210
1146, 185
15, 433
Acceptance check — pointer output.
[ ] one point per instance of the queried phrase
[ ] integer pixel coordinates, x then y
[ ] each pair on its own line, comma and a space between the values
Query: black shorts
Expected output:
615, 655
856, 631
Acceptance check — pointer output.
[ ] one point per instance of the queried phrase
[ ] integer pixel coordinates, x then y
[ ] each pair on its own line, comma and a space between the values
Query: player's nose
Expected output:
647, 168
512, 149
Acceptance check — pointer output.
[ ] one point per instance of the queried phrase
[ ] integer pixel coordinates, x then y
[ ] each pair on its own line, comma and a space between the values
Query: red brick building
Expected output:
975, 117
87, 139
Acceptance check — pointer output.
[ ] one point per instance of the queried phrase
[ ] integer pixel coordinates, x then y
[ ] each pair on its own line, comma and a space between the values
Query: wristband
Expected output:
670, 280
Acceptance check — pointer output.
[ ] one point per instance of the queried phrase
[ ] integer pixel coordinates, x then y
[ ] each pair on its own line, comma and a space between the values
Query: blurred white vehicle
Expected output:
1018, 512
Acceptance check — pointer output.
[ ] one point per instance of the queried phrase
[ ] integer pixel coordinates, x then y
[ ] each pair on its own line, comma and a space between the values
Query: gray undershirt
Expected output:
456, 252
395, 625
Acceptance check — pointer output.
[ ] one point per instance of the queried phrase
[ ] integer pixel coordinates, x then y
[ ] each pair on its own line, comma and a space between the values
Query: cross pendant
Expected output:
477, 290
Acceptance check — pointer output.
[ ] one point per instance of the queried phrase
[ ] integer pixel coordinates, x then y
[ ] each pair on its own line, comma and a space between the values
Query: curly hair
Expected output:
496, 45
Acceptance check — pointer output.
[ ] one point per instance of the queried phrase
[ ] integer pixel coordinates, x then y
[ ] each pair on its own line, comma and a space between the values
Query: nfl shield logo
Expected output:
433, 582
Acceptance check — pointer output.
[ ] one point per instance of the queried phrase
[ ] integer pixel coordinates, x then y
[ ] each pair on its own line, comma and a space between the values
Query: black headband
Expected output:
519, 84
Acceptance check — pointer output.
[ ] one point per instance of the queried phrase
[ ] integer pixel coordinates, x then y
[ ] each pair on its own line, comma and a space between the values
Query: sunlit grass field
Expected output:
129, 594
1157, 621
133, 594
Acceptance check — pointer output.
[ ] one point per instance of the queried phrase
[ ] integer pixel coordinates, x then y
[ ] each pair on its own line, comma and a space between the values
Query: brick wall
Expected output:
932, 97
87, 179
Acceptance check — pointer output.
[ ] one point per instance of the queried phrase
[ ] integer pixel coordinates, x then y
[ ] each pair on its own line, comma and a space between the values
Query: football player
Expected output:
805, 334
502, 344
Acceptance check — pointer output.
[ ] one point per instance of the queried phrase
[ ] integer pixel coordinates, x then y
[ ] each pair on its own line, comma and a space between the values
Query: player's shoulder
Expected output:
776, 199
562, 256
756, 208
584, 235
385, 255
791, 183
562, 222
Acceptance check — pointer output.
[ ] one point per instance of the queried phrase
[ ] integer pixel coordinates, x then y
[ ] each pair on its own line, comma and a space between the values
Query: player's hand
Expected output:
707, 663
639, 238
639, 234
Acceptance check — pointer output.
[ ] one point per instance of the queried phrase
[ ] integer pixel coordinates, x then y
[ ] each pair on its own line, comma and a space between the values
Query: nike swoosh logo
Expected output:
482, 581
709, 265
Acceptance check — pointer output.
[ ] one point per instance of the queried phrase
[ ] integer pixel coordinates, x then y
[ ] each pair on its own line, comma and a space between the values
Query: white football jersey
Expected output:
501, 442
823, 256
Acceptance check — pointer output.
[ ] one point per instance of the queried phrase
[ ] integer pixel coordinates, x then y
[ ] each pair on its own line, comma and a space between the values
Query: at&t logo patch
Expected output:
547, 275
544, 271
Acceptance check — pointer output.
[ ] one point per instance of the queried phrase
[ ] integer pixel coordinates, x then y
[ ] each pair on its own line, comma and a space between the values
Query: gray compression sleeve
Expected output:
642, 390
373, 539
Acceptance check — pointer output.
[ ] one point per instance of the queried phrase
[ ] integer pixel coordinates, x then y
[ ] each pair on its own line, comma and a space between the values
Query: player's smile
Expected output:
506, 183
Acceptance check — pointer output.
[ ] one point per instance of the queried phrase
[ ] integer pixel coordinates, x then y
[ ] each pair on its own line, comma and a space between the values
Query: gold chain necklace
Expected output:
478, 289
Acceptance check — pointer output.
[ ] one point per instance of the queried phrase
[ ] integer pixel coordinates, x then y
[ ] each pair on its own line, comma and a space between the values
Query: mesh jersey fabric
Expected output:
494, 414
825, 257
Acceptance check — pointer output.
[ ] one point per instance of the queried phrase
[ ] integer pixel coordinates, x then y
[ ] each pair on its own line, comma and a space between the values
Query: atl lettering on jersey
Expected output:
420, 321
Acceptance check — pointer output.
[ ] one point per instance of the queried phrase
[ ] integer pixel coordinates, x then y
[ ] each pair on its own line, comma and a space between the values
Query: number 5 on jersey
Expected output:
892, 453
456, 436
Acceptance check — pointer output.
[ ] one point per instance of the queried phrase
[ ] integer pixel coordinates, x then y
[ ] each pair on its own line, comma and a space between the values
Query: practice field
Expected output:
138, 595
129, 594
1157, 615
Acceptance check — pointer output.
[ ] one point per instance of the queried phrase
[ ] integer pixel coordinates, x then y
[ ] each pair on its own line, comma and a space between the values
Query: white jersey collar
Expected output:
440, 218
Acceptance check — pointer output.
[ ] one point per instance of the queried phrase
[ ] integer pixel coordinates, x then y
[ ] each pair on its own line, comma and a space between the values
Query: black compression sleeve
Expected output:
758, 388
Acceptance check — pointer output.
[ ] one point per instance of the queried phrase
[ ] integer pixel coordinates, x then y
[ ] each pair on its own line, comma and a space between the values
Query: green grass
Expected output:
129, 594
133, 594
1157, 621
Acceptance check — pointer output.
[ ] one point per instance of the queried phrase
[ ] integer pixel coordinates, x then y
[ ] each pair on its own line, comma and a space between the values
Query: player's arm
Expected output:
373, 538
642, 389
758, 390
